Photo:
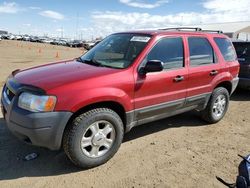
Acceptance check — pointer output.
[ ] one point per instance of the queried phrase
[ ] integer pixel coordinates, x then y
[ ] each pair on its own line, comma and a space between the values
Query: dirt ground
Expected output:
181, 151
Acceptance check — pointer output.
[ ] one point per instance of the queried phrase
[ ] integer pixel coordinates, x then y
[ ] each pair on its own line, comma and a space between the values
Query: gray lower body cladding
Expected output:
164, 110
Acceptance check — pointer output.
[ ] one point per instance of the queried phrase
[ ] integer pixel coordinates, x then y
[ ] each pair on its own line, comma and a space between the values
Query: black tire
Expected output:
74, 133
207, 114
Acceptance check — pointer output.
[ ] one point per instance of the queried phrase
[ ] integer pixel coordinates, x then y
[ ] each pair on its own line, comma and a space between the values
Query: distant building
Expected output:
236, 30
3, 32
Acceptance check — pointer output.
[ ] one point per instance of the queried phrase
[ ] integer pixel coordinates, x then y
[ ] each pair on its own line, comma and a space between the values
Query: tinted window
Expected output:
226, 48
201, 52
242, 49
169, 51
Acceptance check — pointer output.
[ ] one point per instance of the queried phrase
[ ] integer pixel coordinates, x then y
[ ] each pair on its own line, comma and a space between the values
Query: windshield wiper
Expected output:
94, 62
79, 59
89, 61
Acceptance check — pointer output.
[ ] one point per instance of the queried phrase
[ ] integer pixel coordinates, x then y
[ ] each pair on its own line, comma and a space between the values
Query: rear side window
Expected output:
226, 49
201, 51
169, 51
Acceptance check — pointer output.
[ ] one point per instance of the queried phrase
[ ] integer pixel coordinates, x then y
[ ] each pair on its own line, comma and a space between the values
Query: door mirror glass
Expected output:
151, 66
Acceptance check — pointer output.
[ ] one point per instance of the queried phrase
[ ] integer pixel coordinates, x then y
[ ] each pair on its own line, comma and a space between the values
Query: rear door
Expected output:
160, 94
203, 68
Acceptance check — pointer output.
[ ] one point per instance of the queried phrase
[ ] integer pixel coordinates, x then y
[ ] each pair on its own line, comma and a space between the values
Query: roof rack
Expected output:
213, 31
197, 29
183, 28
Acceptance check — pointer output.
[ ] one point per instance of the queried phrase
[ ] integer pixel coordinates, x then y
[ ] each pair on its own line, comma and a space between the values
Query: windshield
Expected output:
117, 51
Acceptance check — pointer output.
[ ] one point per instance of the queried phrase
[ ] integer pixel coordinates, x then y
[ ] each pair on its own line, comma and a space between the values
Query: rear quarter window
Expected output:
226, 49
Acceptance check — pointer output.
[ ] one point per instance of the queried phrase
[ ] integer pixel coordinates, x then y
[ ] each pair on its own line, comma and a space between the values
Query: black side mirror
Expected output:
151, 66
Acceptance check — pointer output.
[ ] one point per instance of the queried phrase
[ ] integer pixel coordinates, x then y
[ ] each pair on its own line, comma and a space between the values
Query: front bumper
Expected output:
43, 129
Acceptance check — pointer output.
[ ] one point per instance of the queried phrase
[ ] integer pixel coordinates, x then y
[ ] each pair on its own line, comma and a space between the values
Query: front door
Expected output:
160, 94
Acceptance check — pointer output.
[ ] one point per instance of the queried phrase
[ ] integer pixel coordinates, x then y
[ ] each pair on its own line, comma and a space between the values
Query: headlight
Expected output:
36, 103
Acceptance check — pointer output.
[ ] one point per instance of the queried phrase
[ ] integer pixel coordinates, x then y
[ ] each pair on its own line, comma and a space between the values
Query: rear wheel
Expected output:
93, 137
217, 106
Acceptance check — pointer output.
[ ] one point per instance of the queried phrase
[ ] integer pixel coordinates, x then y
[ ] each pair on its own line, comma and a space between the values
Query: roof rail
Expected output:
213, 31
183, 28
197, 29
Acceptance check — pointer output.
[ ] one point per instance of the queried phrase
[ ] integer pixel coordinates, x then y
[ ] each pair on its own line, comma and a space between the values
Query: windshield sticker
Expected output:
140, 39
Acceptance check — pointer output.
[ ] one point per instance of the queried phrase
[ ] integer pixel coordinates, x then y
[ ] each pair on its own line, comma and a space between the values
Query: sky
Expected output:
87, 19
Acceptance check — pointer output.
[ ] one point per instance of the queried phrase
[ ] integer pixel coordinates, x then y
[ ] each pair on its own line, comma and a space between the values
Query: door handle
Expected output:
213, 72
178, 78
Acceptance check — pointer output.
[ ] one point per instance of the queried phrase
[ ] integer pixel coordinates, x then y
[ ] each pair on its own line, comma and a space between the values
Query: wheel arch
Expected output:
115, 106
226, 84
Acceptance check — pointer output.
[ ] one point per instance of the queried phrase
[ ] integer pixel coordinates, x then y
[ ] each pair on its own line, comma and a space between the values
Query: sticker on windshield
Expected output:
140, 39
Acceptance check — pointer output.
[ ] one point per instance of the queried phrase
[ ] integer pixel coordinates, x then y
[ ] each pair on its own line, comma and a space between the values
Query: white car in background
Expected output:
47, 40
26, 38
11, 37
18, 37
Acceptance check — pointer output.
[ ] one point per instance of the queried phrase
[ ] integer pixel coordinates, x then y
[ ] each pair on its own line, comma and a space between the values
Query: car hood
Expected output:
57, 74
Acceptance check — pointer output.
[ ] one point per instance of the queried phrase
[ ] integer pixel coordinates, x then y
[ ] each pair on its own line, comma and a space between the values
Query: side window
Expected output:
201, 51
169, 51
242, 50
226, 49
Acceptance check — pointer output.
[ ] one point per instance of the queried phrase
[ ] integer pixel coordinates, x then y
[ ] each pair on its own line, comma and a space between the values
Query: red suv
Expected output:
86, 105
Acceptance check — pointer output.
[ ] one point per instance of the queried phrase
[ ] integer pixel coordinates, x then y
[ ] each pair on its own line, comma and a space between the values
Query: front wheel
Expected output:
93, 137
217, 106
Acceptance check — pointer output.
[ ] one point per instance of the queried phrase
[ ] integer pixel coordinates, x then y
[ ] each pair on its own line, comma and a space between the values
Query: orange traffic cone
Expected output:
57, 55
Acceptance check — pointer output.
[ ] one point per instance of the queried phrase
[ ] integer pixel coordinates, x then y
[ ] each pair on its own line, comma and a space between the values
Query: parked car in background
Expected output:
47, 40
26, 38
54, 42
34, 39
5, 36
97, 42
86, 105
59, 42
10, 37
88, 45
75, 43
62, 42
243, 53
18, 37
